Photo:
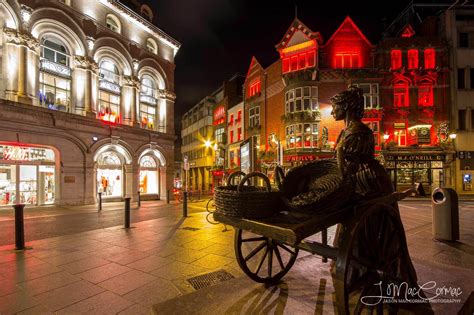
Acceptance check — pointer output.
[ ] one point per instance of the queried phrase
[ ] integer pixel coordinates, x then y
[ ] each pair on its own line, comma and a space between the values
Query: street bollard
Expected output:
167, 196
185, 204
139, 199
19, 227
127, 212
100, 201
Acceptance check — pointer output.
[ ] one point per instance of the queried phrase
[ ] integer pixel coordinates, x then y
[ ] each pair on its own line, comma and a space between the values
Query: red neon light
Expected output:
430, 57
299, 61
408, 32
396, 58
346, 60
413, 59
219, 115
254, 88
15, 154
295, 158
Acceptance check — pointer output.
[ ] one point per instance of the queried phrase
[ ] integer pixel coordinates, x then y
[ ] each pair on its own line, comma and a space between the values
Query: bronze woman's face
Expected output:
337, 111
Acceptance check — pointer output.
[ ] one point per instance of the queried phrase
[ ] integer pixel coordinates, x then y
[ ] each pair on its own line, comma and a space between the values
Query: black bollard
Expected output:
100, 201
127, 212
19, 227
168, 196
139, 199
185, 204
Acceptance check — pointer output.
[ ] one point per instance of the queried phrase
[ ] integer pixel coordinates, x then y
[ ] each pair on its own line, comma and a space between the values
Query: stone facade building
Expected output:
86, 102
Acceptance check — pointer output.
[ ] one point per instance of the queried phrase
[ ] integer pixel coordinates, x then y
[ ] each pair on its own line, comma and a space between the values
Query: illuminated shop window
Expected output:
113, 23
301, 99
109, 174
375, 127
400, 137
254, 88
346, 60
302, 136
148, 175
254, 116
396, 59
430, 58
400, 95
371, 94
425, 95
151, 45
148, 102
412, 59
55, 76
109, 92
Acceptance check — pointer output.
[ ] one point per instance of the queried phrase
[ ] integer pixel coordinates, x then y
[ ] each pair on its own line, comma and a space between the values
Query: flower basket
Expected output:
248, 202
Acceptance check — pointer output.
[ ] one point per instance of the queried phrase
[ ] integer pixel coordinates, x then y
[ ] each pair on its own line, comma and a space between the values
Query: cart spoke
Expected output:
261, 261
254, 239
278, 256
255, 251
286, 248
270, 260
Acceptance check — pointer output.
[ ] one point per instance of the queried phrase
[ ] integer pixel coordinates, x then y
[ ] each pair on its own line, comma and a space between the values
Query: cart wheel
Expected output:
211, 206
373, 254
252, 250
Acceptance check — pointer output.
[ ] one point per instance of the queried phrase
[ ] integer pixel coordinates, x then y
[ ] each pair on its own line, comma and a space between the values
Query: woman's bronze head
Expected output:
350, 101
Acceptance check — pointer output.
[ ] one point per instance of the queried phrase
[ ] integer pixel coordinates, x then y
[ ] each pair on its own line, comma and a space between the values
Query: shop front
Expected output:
110, 174
27, 175
149, 176
406, 170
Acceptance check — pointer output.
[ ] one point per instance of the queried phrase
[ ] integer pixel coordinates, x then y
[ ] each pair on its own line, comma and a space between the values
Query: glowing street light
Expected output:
453, 136
207, 144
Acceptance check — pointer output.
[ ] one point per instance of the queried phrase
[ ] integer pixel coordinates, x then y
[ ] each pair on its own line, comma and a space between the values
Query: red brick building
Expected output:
405, 99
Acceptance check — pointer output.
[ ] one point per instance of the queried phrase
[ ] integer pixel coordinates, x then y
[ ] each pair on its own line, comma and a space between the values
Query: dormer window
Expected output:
346, 60
113, 23
254, 88
412, 59
146, 12
151, 45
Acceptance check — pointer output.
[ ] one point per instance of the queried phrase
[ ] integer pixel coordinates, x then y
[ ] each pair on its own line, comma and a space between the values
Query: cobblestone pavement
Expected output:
111, 270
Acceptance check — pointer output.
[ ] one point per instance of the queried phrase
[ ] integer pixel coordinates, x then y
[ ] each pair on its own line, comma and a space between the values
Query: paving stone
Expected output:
136, 309
84, 264
213, 261
149, 263
154, 292
127, 282
65, 258
177, 270
47, 283
17, 302
186, 255
103, 273
61, 297
37, 310
127, 257
102, 303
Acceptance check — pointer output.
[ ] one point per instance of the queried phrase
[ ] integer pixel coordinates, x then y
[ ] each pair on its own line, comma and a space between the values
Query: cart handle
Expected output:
231, 177
279, 177
254, 174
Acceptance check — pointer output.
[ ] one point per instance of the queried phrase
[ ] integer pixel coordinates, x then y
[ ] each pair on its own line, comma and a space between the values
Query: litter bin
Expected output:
445, 214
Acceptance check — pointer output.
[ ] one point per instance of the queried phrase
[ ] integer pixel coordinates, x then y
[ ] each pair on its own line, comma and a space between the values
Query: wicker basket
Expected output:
247, 201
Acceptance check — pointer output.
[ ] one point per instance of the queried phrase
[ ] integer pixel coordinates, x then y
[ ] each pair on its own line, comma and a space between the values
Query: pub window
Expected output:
347, 60
371, 94
430, 58
396, 59
425, 95
254, 116
400, 95
412, 59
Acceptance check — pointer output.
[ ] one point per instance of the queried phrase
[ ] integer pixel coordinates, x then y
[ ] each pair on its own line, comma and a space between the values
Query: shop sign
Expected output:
428, 157
14, 153
299, 158
219, 115
462, 155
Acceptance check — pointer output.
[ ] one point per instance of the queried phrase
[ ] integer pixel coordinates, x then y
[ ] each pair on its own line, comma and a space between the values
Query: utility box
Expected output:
445, 214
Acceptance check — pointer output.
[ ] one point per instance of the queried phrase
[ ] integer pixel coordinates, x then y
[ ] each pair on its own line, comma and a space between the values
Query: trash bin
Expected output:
445, 214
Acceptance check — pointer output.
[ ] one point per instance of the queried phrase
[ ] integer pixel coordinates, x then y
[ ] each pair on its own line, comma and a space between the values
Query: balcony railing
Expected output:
55, 68
109, 86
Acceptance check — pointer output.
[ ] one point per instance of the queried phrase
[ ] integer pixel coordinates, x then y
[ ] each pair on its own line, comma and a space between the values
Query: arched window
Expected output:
151, 45
146, 12
149, 176
113, 23
55, 75
148, 102
109, 92
109, 174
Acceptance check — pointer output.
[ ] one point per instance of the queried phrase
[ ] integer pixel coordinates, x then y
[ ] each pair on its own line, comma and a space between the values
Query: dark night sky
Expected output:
219, 37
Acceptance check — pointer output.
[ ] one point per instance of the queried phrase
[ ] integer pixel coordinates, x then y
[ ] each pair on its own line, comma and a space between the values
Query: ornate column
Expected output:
165, 111
21, 64
129, 100
84, 86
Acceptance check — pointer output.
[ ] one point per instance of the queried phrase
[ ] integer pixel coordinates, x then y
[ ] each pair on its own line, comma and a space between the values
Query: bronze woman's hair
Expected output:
351, 100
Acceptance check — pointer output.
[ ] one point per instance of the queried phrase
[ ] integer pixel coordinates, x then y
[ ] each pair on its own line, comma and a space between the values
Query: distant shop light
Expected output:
95, 138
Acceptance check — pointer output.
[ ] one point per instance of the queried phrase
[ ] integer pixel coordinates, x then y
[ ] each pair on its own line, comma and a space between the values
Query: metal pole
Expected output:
168, 196
139, 199
100, 201
185, 204
127, 212
324, 240
19, 227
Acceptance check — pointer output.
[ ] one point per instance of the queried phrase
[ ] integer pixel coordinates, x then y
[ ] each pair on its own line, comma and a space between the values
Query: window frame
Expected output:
395, 59
116, 27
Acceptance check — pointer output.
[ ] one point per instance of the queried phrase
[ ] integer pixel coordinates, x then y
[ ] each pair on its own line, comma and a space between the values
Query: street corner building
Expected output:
86, 102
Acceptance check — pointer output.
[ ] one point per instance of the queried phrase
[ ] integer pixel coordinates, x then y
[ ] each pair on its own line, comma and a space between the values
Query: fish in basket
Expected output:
247, 201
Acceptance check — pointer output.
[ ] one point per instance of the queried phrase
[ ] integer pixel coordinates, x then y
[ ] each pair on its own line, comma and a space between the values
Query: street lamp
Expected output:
453, 136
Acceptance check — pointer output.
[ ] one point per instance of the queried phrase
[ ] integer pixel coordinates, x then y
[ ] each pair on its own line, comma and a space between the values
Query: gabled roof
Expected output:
253, 63
351, 23
297, 33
